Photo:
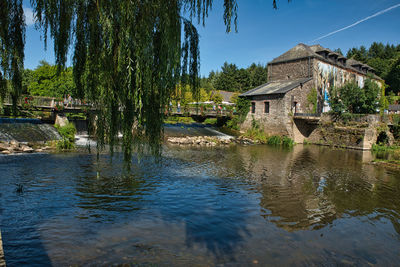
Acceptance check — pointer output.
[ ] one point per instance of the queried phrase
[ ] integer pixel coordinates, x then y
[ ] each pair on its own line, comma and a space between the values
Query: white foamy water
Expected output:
84, 140
219, 134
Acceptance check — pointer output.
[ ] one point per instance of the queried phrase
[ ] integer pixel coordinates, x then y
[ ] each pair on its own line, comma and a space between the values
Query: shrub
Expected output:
243, 108
233, 123
312, 99
274, 140
353, 99
67, 133
287, 142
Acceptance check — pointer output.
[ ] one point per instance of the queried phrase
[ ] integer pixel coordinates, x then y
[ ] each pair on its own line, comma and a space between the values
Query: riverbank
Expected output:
200, 140
2, 259
388, 156
14, 147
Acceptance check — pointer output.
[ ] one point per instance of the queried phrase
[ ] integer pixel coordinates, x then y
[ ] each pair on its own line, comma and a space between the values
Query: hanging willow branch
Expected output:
128, 56
12, 43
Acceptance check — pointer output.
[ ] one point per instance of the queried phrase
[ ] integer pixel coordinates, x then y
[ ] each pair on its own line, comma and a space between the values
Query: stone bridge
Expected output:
304, 125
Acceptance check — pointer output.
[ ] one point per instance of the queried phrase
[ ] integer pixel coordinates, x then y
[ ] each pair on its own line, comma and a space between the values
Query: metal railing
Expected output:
46, 102
199, 111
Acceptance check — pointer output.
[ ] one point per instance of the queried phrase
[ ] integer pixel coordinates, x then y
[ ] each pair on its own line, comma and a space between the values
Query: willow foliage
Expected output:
12, 42
128, 56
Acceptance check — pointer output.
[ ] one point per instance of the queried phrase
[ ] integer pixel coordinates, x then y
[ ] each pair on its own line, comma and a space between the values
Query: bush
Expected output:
243, 108
233, 123
353, 99
67, 133
277, 140
287, 142
274, 140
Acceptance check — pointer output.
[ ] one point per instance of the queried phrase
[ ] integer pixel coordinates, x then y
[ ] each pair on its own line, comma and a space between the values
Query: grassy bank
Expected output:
387, 155
178, 119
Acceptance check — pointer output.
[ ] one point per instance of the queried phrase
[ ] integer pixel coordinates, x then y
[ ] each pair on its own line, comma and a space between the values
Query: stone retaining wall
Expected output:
358, 133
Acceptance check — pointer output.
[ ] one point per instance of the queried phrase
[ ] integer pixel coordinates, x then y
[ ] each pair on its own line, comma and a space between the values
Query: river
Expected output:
236, 205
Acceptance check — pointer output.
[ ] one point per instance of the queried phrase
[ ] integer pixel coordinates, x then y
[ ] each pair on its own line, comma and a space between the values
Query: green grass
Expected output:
212, 121
256, 135
177, 119
287, 142
275, 140
383, 148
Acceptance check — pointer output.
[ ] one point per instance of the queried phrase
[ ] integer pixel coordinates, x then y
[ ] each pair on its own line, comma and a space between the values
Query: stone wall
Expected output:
279, 120
290, 70
300, 96
274, 122
360, 133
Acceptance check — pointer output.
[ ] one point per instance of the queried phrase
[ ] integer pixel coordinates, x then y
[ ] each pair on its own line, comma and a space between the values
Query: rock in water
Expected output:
61, 120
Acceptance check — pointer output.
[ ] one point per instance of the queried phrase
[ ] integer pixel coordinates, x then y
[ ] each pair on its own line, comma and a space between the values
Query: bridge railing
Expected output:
46, 102
199, 111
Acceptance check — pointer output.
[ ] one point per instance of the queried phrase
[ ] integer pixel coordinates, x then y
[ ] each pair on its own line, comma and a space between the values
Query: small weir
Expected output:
26, 130
194, 129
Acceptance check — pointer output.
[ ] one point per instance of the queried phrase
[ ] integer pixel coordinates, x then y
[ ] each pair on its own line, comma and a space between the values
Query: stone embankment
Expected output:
13, 147
199, 140
210, 141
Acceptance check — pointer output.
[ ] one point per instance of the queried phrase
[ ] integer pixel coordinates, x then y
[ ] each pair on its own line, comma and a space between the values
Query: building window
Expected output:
253, 107
266, 107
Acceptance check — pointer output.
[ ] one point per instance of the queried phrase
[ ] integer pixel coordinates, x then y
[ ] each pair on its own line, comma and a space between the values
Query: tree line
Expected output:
234, 79
45, 80
385, 59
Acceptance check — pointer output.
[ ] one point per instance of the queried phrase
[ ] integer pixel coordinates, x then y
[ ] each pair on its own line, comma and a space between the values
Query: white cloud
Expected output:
29, 18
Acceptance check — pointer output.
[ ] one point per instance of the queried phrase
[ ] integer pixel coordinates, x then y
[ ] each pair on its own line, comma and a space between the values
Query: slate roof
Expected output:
299, 51
314, 51
276, 87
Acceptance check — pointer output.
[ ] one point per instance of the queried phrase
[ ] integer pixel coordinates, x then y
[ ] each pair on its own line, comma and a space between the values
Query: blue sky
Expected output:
265, 33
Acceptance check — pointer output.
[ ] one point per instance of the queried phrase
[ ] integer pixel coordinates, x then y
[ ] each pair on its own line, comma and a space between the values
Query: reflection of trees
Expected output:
310, 187
109, 190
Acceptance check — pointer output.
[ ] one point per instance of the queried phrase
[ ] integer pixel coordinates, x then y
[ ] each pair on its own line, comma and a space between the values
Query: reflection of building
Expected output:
310, 187
299, 83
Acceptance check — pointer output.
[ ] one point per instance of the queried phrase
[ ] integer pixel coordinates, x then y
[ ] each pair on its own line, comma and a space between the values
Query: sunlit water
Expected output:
201, 206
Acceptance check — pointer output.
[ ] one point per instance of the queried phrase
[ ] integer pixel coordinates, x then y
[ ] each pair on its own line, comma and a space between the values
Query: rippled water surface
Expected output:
199, 206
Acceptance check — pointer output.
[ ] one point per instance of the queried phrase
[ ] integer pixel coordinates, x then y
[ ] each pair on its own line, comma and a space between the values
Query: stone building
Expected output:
298, 87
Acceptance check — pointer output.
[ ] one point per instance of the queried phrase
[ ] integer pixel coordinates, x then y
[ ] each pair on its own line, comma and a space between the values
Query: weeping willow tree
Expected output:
128, 56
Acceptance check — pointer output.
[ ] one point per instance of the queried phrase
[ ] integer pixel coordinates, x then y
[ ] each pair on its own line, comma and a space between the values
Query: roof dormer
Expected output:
357, 66
342, 60
324, 53
333, 57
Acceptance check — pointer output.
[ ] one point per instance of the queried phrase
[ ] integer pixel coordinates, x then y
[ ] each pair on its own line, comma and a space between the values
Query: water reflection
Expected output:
232, 205
311, 186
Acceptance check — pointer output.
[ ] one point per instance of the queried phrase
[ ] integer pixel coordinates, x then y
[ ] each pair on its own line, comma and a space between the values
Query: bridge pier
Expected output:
303, 127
